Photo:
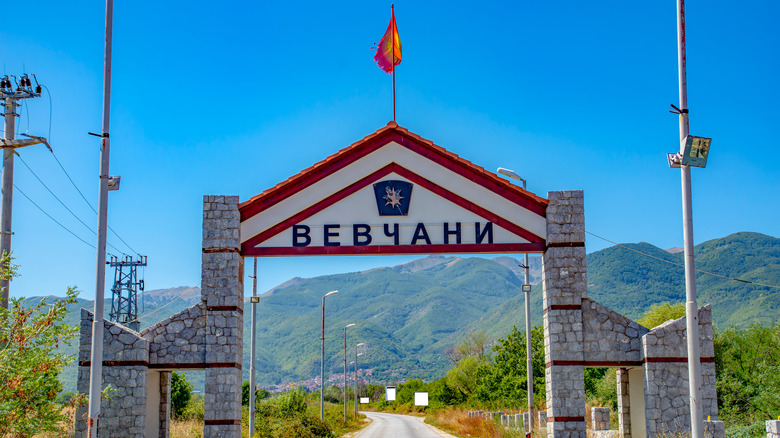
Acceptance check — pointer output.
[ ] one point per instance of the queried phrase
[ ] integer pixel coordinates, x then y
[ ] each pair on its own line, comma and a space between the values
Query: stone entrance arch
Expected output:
392, 192
652, 376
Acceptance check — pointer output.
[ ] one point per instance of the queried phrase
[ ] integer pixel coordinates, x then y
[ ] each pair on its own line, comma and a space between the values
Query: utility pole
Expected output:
24, 90
96, 357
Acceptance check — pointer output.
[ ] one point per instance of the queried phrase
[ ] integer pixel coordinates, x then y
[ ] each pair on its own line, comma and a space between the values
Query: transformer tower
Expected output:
124, 303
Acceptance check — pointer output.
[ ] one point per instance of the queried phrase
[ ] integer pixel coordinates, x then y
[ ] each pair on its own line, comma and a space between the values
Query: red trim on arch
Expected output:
393, 249
392, 133
363, 182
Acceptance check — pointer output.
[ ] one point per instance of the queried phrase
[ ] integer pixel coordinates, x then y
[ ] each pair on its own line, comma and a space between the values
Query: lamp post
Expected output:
254, 299
351, 362
693, 152
322, 357
356, 376
345, 369
527, 290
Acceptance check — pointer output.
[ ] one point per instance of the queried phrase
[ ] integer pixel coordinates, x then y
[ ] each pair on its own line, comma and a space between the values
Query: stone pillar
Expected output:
773, 429
165, 404
565, 285
125, 368
526, 421
624, 404
222, 290
599, 418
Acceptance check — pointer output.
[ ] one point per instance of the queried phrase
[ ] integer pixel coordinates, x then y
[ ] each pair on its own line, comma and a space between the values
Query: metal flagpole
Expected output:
392, 50
691, 308
96, 359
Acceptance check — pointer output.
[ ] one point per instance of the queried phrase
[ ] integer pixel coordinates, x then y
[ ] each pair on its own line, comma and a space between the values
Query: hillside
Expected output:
408, 314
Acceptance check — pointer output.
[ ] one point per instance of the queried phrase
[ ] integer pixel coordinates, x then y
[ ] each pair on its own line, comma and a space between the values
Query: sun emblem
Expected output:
392, 197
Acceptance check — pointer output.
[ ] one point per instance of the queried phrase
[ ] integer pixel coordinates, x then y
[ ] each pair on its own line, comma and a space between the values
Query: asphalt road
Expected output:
397, 426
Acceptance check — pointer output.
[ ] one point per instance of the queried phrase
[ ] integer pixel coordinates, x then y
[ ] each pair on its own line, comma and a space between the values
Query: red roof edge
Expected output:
367, 144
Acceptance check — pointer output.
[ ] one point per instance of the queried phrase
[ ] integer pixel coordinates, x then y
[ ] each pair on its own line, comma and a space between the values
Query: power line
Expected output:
63, 204
90, 204
71, 179
52, 218
166, 305
681, 265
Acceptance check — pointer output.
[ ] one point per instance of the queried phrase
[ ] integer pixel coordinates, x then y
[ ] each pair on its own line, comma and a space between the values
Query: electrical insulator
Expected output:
38, 89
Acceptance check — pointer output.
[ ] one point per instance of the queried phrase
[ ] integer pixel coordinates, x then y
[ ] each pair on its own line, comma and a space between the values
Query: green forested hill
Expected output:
408, 314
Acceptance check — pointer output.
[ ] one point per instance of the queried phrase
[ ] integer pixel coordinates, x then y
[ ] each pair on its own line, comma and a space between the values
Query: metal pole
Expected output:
252, 355
8, 192
96, 359
345, 374
322, 364
691, 308
528, 352
356, 384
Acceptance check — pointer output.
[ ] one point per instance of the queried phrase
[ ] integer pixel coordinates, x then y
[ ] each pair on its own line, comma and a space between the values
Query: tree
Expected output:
181, 393
658, 314
747, 366
507, 377
473, 346
29, 362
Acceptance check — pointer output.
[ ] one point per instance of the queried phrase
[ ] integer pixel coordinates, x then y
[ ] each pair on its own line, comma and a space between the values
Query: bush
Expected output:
29, 364
195, 409
293, 403
260, 394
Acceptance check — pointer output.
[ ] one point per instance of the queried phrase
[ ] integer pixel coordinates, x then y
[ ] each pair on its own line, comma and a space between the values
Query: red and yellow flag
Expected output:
388, 51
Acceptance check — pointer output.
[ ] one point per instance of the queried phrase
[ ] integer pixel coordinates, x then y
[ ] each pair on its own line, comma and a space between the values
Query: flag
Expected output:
388, 51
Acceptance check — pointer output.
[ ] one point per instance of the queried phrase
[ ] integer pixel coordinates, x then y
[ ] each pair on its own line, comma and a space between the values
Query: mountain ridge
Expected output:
408, 314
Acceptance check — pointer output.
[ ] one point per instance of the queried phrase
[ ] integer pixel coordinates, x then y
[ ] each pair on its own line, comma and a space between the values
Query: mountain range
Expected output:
408, 314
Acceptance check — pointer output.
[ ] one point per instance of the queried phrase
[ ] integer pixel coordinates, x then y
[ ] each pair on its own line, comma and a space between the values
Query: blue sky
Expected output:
234, 97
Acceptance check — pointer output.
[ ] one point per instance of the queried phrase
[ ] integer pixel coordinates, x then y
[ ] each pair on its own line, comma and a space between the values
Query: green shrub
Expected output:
181, 393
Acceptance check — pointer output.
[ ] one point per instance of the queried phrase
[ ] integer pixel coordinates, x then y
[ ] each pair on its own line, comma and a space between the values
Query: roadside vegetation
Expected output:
747, 363
292, 414
484, 375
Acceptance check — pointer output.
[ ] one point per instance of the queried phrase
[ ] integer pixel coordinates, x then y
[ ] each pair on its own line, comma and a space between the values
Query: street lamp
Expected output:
356, 376
345, 369
527, 290
322, 357
694, 151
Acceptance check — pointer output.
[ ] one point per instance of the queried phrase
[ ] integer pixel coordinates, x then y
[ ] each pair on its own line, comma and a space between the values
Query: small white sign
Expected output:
364, 400
421, 399
390, 393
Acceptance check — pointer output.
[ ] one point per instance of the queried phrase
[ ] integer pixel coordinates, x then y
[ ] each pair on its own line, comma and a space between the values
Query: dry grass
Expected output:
457, 421
186, 429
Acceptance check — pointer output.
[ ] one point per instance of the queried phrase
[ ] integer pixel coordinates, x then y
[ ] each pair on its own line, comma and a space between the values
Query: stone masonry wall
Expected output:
565, 285
178, 339
665, 347
222, 291
125, 368
610, 336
